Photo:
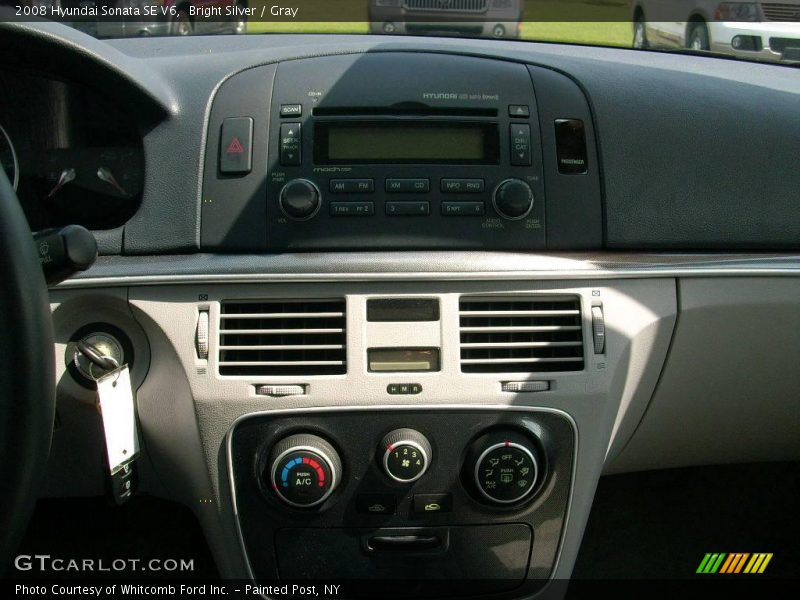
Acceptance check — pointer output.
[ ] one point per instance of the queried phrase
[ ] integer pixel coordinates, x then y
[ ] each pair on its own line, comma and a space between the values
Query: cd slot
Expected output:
405, 109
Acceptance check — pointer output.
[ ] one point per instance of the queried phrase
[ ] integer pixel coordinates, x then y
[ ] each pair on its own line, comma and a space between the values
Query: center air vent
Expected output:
282, 337
525, 334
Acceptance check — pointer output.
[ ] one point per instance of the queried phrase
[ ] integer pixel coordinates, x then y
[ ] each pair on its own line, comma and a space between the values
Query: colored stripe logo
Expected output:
733, 563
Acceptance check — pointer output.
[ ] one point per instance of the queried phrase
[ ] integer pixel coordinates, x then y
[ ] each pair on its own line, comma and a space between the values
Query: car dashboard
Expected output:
399, 303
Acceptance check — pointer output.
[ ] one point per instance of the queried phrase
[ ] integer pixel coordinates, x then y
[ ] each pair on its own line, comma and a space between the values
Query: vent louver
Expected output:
282, 337
527, 334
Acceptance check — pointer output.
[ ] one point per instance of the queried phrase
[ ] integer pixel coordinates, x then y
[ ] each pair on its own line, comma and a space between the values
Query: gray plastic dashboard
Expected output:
688, 149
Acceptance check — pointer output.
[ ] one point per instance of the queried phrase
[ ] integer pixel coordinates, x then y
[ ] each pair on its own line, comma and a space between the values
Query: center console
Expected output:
416, 424
461, 498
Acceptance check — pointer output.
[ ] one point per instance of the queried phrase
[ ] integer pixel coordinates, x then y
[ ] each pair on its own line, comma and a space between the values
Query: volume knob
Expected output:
300, 199
513, 199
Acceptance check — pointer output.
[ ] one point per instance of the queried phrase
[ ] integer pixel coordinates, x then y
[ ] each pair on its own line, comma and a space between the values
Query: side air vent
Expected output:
282, 337
525, 334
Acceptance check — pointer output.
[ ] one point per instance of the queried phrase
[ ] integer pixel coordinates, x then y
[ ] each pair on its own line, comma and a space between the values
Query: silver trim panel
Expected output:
421, 266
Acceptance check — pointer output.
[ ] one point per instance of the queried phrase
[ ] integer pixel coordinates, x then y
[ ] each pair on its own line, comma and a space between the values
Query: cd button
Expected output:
406, 186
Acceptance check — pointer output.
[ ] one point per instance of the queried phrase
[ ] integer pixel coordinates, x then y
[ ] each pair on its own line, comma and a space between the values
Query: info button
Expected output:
462, 186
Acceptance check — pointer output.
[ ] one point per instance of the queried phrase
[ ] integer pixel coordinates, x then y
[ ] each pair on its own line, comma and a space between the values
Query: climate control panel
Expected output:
500, 468
390, 490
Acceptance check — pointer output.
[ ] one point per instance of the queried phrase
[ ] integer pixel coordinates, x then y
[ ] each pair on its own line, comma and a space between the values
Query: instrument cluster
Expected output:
73, 155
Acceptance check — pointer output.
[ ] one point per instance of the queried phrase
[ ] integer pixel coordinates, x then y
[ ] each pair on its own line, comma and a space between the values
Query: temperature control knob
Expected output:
505, 467
513, 199
304, 470
406, 454
300, 199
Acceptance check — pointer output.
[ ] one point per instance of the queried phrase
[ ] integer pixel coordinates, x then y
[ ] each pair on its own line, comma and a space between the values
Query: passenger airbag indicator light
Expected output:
571, 146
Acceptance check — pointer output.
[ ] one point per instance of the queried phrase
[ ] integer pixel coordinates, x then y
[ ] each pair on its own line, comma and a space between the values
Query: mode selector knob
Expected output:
300, 199
406, 454
304, 470
505, 467
513, 199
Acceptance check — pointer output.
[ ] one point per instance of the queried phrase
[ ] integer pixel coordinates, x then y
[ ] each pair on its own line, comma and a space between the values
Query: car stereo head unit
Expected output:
400, 150
438, 152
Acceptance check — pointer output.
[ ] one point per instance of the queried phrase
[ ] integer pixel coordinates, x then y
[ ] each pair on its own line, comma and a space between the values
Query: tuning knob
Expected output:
406, 454
304, 470
300, 199
513, 199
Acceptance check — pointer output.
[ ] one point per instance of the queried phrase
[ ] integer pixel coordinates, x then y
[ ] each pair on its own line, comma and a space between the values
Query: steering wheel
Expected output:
27, 373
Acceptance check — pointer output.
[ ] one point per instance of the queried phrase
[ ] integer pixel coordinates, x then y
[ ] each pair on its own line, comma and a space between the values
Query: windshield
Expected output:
759, 31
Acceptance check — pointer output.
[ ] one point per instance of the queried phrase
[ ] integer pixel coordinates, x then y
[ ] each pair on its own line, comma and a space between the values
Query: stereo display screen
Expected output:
376, 142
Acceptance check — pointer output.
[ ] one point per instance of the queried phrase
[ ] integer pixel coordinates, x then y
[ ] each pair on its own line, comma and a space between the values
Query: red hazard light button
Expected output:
236, 146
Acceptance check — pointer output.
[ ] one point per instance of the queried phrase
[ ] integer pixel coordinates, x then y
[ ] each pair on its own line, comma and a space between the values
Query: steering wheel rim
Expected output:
27, 373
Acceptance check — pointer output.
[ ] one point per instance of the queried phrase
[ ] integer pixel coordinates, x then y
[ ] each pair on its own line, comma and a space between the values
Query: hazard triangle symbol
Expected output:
235, 147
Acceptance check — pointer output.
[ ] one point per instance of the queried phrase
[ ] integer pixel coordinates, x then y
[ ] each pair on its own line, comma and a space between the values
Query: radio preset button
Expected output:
462, 186
290, 144
463, 209
408, 209
520, 145
352, 209
408, 186
352, 186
